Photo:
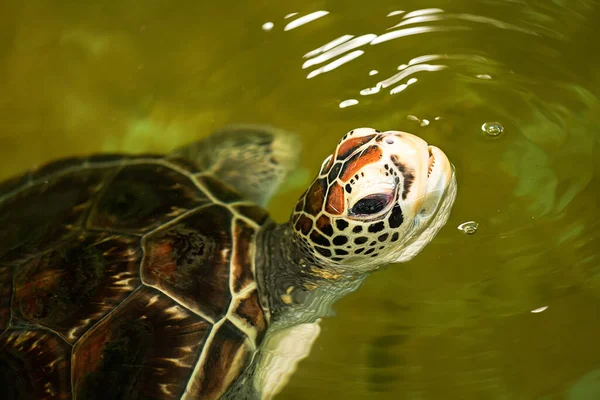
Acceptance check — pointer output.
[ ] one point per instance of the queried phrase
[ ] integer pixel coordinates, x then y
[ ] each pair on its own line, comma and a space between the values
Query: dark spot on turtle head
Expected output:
333, 174
406, 173
396, 217
376, 227
395, 236
357, 229
369, 251
348, 188
324, 252
340, 240
341, 224
383, 238
319, 239
360, 240
341, 252
324, 225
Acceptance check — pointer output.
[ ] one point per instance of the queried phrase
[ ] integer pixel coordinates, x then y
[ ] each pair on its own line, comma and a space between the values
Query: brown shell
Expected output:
126, 277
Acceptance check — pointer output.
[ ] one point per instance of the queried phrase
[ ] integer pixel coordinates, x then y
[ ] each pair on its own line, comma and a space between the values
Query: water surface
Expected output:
510, 312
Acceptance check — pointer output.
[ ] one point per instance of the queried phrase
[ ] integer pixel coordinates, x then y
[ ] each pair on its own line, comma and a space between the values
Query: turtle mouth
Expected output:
440, 174
431, 164
439, 168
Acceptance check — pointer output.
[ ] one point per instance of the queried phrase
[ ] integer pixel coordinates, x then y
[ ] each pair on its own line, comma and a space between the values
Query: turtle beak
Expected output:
430, 168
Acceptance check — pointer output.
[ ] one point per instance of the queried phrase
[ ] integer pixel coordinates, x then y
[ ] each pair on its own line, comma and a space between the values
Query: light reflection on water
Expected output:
458, 321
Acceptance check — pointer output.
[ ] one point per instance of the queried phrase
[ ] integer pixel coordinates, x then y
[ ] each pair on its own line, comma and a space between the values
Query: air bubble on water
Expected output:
469, 227
492, 129
267, 26
484, 76
424, 122
373, 72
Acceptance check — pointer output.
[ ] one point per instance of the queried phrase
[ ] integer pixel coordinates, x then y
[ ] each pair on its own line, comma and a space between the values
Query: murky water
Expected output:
509, 312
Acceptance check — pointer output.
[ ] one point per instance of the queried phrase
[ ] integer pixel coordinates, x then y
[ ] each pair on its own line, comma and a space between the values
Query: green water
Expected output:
457, 321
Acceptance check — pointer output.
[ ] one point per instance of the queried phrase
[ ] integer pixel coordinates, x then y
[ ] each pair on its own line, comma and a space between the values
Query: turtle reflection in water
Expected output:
162, 277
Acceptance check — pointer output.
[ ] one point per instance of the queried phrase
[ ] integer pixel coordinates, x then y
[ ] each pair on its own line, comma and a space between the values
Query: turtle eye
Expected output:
371, 204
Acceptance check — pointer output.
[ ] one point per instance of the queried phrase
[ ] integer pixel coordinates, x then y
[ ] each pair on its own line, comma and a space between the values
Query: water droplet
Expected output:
267, 26
492, 128
424, 122
484, 76
469, 227
373, 72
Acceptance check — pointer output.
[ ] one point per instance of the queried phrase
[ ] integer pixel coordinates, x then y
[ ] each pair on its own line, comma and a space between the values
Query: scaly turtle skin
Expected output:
162, 277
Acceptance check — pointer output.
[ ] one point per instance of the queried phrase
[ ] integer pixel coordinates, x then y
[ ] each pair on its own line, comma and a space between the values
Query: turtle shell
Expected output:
126, 277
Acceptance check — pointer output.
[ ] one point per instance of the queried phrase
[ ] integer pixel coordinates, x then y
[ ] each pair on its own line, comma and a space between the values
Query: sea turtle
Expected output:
162, 277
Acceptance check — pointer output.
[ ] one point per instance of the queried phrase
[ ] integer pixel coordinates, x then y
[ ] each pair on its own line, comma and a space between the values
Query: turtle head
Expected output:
378, 199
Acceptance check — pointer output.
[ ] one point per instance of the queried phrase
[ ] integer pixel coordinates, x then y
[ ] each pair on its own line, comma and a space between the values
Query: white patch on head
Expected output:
360, 132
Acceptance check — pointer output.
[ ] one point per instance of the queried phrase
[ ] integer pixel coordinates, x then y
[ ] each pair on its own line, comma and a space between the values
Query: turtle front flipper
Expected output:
253, 159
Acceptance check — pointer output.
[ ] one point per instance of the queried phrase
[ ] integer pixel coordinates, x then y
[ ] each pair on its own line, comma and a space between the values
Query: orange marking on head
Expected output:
335, 200
350, 145
356, 163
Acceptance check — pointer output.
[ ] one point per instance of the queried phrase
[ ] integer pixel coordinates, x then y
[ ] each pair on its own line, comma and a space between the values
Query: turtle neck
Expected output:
295, 287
